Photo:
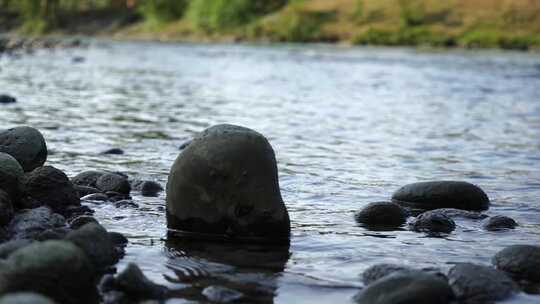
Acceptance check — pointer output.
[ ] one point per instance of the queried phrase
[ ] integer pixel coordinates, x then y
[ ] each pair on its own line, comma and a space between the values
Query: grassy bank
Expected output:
509, 24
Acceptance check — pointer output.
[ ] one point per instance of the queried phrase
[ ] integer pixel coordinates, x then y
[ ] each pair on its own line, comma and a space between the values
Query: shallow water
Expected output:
349, 126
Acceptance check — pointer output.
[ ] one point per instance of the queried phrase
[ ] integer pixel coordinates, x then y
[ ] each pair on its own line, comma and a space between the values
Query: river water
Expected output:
349, 126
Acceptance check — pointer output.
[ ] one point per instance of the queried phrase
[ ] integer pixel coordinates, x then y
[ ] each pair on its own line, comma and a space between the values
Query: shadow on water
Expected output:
251, 269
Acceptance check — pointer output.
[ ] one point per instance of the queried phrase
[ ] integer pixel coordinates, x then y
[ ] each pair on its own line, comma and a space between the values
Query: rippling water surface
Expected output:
349, 127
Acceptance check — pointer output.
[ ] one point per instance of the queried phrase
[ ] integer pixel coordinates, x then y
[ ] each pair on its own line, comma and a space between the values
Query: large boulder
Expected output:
56, 269
407, 287
11, 176
442, 194
26, 145
6, 209
480, 284
520, 261
225, 183
31, 223
52, 187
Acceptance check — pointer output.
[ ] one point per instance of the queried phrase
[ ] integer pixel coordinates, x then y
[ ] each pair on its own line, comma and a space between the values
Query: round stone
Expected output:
499, 222
434, 222
382, 214
11, 176
520, 261
52, 187
442, 194
26, 145
225, 184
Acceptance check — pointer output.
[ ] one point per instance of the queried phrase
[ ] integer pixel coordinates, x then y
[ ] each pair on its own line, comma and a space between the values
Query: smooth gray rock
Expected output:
53, 188
95, 242
442, 194
480, 284
433, 221
136, 285
220, 294
87, 178
522, 262
56, 269
379, 271
6, 208
113, 182
499, 222
25, 298
407, 287
12, 176
26, 145
225, 183
29, 224
7, 248
382, 214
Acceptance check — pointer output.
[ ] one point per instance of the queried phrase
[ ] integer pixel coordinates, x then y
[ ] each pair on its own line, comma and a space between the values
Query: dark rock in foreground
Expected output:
382, 214
56, 269
95, 242
132, 285
499, 222
225, 184
6, 208
434, 221
29, 224
7, 248
25, 298
11, 176
113, 182
26, 145
442, 194
522, 262
4, 99
379, 271
480, 284
408, 287
52, 187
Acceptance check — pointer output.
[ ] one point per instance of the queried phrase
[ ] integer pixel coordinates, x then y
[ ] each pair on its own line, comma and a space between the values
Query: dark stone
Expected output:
6, 209
150, 188
134, 283
442, 194
113, 151
81, 220
225, 183
379, 271
29, 224
7, 248
185, 144
125, 204
499, 222
98, 197
85, 190
113, 182
56, 269
522, 262
26, 145
94, 240
480, 284
12, 176
53, 234
87, 178
118, 239
433, 221
407, 287
220, 294
7, 99
25, 298
52, 187
382, 214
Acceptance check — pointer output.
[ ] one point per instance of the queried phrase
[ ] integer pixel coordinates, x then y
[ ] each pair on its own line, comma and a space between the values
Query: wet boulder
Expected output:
11, 176
29, 224
6, 209
433, 222
5, 99
113, 151
56, 269
225, 184
522, 262
87, 178
26, 145
407, 287
499, 222
382, 214
7, 248
95, 242
480, 284
113, 182
25, 298
442, 194
379, 271
52, 187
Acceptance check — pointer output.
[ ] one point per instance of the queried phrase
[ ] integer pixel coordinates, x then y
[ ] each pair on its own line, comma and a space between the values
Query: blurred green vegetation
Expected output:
465, 23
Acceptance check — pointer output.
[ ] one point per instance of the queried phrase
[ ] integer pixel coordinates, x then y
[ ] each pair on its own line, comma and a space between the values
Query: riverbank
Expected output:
427, 23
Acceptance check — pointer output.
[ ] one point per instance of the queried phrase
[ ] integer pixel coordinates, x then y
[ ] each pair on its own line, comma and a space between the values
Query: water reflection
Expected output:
252, 269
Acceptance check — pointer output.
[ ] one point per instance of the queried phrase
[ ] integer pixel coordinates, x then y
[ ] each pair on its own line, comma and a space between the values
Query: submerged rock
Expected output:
522, 262
499, 222
220, 294
29, 224
379, 271
434, 221
6, 209
136, 285
442, 194
95, 242
147, 188
57, 269
25, 298
225, 183
113, 182
407, 287
52, 187
26, 145
480, 284
382, 214
113, 151
4, 99
11, 176
87, 178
